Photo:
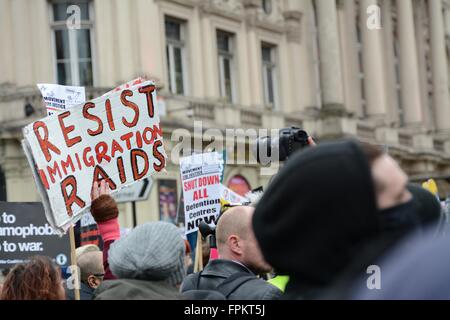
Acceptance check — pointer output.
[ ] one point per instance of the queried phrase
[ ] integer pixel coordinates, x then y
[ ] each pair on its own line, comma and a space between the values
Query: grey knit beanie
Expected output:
152, 251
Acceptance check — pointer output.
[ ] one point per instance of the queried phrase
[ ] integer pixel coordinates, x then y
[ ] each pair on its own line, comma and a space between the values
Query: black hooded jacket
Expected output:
317, 215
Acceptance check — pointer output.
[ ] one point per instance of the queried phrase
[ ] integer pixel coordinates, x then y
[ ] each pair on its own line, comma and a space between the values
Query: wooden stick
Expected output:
198, 264
73, 259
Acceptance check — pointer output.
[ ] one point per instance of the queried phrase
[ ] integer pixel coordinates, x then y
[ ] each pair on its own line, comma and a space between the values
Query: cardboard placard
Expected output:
200, 176
115, 137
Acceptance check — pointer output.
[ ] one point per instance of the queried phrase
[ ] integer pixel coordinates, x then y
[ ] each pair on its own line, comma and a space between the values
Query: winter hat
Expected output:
152, 251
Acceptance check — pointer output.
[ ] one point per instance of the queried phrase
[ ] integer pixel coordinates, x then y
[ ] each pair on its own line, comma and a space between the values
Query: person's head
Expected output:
91, 268
390, 180
86, 248
236, 239
153, 251
316, 213
39, 279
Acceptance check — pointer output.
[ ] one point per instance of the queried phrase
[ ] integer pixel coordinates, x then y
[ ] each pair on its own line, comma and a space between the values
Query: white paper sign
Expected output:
116, 137
200, 175
231, 196
59, 98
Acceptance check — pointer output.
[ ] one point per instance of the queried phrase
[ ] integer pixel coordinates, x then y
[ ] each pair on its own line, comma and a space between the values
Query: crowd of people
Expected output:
332, 212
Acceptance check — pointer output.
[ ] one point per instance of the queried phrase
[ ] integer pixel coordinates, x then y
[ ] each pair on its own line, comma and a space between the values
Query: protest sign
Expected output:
200, 176
25, 233
116, 137
230, 196
59, 98
129, 85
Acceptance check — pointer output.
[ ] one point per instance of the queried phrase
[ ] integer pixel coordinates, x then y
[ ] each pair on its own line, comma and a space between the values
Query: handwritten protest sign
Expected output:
129, 85
116, 137
25, 233
200, 175
59, 98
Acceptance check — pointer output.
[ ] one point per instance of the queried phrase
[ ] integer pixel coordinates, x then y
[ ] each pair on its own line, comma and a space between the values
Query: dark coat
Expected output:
417, 269
131, 289
216, 271
85, 292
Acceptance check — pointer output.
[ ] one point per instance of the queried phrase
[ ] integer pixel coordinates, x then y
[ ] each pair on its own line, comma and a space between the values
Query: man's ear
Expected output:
91, 281
235, 244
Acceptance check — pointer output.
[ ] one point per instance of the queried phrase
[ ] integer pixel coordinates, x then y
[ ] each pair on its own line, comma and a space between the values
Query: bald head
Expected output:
236, 239
235, 221
90, 263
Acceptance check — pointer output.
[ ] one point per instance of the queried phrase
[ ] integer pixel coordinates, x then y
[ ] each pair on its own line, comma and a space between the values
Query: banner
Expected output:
59, 98
25, 233
200, 176
116, 138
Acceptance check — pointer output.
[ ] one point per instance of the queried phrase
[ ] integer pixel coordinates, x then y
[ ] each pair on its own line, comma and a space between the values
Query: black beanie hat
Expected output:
317, 211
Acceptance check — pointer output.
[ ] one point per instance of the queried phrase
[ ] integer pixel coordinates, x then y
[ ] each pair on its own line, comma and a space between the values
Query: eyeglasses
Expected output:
98, 275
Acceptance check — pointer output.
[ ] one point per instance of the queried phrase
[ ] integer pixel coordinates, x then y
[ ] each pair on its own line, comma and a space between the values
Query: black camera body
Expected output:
288, 142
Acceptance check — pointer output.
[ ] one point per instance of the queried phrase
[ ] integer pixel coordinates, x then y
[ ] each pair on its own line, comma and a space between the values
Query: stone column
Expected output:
373, 64
441, 97
409, 72
330, 55
350, 59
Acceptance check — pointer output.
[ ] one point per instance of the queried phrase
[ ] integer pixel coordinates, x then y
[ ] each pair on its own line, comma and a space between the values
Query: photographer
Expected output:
240, 260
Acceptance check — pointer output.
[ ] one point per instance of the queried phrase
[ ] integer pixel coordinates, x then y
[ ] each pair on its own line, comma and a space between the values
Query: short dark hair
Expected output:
371, 151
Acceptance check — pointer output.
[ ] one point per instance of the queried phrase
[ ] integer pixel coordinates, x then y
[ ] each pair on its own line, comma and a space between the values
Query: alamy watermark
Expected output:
242, 146
373, 21
374, 280
73, 22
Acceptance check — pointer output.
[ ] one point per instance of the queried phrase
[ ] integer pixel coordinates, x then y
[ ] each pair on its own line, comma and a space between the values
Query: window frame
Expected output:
273, 65
170, 45
230, 56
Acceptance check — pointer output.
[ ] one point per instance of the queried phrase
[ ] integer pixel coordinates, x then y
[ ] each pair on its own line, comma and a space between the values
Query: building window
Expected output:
175, 52
73, 47
268, 53
266, 6
225, 49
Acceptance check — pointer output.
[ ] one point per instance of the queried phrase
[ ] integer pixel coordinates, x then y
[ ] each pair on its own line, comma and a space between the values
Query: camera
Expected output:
288, 142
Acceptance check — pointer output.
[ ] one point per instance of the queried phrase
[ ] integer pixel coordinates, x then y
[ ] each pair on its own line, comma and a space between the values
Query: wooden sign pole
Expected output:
73, 259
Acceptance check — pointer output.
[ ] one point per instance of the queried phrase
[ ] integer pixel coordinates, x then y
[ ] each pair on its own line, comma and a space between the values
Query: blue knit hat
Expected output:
152, 251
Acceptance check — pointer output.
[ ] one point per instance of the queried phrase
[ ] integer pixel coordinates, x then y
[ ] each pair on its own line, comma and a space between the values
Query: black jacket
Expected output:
86, 292
216, 271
